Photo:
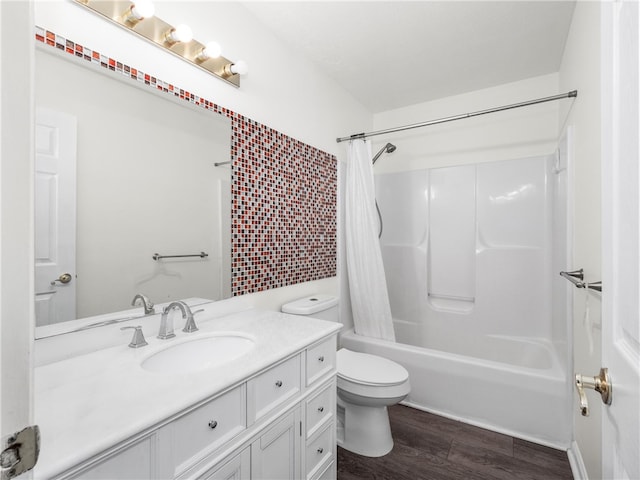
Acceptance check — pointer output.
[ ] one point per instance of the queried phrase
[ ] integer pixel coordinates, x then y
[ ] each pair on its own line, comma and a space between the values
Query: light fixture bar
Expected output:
156, 31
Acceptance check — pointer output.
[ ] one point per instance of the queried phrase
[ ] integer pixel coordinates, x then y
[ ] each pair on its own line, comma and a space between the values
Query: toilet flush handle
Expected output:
600, 383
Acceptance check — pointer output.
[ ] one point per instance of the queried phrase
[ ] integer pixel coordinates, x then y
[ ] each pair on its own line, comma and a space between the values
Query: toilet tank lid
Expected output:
310, 305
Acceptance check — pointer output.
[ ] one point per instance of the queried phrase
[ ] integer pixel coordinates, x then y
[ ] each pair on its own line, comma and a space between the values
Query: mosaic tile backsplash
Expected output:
284, 192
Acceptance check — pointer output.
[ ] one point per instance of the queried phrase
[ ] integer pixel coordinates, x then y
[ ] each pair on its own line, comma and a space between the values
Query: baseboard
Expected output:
577, 464
493, 428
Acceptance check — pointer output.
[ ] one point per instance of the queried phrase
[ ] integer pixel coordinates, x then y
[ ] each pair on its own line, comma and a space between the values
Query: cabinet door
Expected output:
238, 468
276, 454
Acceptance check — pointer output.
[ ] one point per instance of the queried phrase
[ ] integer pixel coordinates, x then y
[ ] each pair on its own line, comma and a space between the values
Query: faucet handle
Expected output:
190, 325
138, 337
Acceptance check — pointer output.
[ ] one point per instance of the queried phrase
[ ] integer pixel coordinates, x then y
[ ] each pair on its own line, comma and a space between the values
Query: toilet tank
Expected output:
320, 306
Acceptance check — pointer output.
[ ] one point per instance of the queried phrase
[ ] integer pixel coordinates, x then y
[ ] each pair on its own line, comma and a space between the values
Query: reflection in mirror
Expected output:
123, 173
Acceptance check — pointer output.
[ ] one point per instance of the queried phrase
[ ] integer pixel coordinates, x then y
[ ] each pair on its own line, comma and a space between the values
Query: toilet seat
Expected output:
369, 370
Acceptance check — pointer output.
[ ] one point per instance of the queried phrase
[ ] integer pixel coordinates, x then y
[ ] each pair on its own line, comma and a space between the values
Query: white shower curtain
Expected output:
367, 283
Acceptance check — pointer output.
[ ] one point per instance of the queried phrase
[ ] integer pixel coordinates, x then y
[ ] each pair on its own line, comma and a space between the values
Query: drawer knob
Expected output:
213, 424
321, 358
321, 409
320, 450
279, 383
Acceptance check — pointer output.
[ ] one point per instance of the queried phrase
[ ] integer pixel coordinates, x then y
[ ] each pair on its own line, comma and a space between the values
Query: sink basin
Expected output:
199, 353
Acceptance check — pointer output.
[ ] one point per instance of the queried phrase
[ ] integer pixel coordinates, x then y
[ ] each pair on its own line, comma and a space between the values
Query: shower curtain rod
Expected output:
572, 93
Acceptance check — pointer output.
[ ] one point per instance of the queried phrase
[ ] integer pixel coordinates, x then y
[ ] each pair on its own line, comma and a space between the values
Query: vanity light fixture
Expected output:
137, 12
139, 18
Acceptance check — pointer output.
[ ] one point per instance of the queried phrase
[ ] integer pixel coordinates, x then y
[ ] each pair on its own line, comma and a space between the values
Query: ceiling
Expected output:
390, 54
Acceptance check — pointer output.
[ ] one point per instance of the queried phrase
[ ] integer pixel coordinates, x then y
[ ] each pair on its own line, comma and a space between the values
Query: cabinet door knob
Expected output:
213, 424
321, 409
321, 358
320, 450
279, 383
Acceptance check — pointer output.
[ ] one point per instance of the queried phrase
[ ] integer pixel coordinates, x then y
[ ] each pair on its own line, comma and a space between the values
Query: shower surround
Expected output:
471, 256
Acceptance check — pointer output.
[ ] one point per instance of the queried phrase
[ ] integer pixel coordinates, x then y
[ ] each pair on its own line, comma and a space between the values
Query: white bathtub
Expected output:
525, 398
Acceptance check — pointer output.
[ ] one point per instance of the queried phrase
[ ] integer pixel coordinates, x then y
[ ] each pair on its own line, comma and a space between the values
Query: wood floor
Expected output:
427, 446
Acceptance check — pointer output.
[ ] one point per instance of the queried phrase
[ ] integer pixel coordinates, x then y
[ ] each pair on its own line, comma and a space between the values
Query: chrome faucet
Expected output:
146, 303
166, 322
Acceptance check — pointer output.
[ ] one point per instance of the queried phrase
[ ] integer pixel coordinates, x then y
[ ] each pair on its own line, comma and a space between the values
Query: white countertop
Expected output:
88, 403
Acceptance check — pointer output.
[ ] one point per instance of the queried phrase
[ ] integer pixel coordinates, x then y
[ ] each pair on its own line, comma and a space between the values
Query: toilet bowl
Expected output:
366, 386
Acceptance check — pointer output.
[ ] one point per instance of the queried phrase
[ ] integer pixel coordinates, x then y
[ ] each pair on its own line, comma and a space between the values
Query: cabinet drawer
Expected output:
273, 387
202, 430
321, 359
320, 452
320, 409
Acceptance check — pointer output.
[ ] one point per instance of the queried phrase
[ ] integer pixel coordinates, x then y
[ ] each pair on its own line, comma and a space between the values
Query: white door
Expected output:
55, 217
16, 211
621, 238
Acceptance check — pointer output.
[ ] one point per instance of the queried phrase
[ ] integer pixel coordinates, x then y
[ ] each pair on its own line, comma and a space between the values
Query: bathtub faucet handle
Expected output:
600, 383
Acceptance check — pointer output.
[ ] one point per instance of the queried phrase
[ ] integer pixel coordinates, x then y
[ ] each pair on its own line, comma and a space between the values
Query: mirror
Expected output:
123, 173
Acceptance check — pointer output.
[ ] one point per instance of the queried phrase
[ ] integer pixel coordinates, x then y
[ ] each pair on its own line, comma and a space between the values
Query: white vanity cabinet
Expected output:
279, 423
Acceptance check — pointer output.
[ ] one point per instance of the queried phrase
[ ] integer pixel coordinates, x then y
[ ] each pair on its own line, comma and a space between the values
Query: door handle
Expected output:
64, 278
600, 383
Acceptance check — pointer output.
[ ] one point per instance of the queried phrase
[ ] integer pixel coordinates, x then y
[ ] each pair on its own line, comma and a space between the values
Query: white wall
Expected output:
518, 133
282, 90
580, 69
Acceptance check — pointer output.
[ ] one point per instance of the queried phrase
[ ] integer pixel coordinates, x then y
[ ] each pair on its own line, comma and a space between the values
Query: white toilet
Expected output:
367, 385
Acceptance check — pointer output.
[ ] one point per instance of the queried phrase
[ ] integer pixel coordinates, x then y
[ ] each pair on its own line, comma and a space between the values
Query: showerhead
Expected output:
389, 147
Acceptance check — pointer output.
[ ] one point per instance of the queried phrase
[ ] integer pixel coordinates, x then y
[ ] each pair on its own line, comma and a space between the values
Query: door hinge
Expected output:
20, 452
300, 428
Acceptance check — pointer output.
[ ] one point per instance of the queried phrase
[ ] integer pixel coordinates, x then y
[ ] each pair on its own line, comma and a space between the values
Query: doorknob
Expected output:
64, 278
600, 383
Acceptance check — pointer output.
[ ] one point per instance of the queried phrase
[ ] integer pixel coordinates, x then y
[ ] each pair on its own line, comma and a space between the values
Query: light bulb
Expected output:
210, 50
181, 33
240, 67
143, 9
138, 11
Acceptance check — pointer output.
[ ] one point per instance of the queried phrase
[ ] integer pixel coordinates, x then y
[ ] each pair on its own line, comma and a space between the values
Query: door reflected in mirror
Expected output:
122, 174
